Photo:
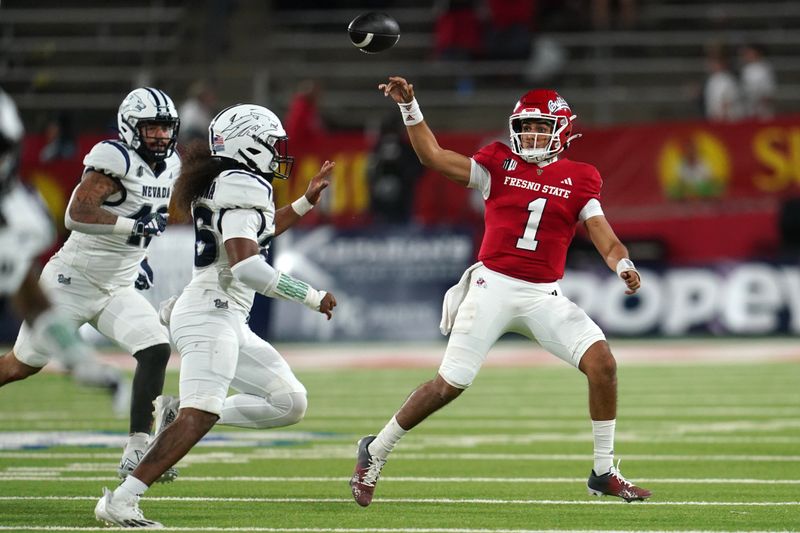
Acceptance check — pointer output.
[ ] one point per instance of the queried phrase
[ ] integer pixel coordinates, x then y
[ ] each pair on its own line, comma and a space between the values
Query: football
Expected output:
373, 32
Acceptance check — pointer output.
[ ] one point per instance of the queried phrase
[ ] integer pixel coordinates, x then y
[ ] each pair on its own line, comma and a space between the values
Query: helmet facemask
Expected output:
139, 141
145, 107
269, 157
534, 146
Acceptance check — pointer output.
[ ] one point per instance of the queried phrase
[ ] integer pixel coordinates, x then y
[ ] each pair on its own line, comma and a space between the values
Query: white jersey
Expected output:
231, 190
112, 260
26, 231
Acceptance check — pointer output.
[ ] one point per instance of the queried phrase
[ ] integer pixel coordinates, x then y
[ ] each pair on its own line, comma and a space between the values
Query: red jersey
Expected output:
531, 212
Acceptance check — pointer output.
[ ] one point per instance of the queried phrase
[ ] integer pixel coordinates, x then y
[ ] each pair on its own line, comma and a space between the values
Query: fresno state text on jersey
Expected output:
531, 211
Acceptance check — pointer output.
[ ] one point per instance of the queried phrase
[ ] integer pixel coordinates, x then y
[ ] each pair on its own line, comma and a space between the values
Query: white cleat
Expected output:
121, 513
165, 411
130, 460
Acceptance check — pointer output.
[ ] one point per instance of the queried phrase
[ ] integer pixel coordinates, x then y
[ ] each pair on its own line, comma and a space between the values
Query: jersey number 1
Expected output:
528, 240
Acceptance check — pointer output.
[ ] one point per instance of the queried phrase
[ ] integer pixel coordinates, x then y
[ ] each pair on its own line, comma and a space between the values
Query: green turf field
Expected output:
718, 444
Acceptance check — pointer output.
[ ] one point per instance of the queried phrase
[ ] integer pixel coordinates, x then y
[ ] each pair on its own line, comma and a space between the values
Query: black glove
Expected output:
145, 279
149, 225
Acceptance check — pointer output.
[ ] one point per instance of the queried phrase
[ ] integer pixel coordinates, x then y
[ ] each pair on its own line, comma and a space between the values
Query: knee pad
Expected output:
298, 408
257, 412
460, 365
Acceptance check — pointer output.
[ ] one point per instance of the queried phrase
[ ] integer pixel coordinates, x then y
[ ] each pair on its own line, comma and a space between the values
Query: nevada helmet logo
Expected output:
249, 124
133, 103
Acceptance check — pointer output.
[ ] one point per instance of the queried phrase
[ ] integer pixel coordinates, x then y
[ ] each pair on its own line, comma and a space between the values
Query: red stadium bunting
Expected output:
703, 191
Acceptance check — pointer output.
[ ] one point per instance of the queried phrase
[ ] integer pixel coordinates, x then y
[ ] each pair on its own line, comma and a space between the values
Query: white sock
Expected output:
137, 441
386, 440
603, 431
257, 412
130, 488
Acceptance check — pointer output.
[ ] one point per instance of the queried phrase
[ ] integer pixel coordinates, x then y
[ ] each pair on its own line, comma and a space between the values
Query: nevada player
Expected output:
228, 194
26, 231
534, 198
118, 206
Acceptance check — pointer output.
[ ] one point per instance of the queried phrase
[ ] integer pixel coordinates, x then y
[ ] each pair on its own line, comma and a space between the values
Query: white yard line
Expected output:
371, 530
687, 434
346, 452
46, 474
454, 501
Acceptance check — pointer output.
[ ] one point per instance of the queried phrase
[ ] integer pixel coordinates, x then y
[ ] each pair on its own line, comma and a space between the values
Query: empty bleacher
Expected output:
85, 58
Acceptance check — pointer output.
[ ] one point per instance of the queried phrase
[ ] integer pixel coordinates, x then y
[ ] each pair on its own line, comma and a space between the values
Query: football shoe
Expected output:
122, 512
366, 473
613, 483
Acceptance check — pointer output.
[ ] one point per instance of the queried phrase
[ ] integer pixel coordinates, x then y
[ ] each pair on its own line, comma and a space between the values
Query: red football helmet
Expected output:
541, 105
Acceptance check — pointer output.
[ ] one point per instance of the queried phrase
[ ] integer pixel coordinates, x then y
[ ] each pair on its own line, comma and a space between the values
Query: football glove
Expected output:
149, 225
145, 279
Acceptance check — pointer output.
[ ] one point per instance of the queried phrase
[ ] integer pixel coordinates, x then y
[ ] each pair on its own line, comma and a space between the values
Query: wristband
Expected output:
314, 298
293, 289
301, 206
123, 226
625, 265
411, 113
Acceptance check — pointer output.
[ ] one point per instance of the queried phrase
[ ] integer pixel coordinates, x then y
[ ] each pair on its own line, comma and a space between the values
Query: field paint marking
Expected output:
580, 457
656, 435
15, 440
412, 500
20, 474
370, 530
346, 452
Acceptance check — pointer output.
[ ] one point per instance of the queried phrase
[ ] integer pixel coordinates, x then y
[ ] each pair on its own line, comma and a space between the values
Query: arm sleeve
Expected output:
259, 275
479, 178
591, 209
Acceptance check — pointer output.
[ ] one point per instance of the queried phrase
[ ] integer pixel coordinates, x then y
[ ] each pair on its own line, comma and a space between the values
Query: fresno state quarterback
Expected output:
534, 198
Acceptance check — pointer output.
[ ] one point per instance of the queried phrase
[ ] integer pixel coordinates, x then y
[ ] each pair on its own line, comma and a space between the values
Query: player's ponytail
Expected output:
198, 169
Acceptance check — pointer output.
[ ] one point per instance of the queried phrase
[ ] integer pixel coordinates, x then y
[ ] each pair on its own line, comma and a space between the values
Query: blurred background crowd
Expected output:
689, 108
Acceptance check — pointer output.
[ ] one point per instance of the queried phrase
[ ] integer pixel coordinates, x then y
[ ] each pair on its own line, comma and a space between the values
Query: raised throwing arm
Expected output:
452, 165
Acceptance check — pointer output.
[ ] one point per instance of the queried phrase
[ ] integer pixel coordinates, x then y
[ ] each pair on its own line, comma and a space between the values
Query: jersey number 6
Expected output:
205, 245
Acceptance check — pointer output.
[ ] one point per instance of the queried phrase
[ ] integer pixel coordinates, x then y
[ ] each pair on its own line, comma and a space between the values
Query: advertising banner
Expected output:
722, 299
700, 191
388, 281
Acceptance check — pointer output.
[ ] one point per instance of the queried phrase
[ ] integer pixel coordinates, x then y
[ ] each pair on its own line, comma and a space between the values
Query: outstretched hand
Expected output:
327, 304
399, 89
319, 182
632, 280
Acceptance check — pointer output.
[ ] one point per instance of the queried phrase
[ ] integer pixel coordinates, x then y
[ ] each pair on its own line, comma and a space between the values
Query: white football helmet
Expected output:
11, 132
253, 136
143, 106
